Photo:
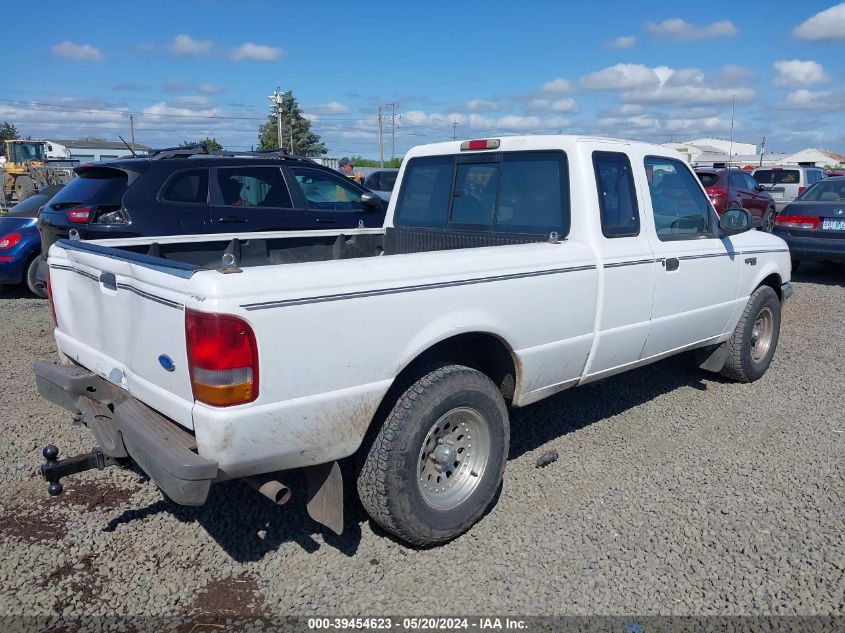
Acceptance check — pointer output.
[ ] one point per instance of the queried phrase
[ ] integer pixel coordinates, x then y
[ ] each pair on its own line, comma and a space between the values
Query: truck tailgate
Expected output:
124, 321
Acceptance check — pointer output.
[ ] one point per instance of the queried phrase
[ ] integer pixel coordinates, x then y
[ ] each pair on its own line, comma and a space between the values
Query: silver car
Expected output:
787, 182
381, 182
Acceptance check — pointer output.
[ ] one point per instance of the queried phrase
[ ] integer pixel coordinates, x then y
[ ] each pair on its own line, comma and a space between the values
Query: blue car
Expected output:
20, 242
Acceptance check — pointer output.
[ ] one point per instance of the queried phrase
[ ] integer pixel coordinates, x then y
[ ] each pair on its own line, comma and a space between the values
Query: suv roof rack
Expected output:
177, 152
202, 150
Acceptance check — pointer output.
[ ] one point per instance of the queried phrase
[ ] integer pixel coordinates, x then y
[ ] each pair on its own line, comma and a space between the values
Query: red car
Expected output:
734, 187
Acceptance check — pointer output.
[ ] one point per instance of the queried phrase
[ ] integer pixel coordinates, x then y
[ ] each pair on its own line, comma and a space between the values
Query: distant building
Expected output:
93, 151
816, 157
724, 145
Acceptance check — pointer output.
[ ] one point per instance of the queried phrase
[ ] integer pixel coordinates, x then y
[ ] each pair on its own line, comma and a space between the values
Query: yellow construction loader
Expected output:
24, 169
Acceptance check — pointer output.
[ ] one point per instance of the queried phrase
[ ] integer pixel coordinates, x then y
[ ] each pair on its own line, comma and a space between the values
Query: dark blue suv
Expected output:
189, 191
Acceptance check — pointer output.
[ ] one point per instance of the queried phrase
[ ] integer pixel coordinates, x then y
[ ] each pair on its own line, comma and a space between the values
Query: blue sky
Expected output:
655, 71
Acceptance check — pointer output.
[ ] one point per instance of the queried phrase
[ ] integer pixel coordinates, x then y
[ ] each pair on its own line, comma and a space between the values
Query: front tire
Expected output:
768, 223
437, 461
31, 279
755, 338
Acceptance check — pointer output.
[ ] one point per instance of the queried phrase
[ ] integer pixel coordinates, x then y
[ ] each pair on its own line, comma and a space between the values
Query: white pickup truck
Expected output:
508, 270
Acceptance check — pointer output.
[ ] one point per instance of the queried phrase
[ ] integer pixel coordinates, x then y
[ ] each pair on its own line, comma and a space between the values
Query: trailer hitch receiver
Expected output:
53, 469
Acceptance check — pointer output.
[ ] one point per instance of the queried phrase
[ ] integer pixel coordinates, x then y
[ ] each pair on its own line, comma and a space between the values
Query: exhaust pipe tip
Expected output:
274, 490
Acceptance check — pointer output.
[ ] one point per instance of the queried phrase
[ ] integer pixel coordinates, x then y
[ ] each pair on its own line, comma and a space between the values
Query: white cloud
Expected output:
83, 52
624, 41
825, 26
256, 52
799, 73
333, 107
211, 89
482, 105
554, 105
661, 84
815, 100
184, 46
622, 77
557, 86
678, 29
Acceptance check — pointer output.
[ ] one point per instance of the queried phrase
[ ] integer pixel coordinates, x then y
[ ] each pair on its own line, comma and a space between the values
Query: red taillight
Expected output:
50, 299
78, 215
801, 190
487, 143
797, 222
222, 358
10, 240
718, 197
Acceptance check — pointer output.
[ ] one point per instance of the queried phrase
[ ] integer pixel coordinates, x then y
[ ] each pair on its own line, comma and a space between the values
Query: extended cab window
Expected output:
515, 192
187, 187
253, 187
620, 215
681, 210
327, 191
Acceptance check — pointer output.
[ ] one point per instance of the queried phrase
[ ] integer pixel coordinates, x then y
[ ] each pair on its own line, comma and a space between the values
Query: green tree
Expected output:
305, 142
360, 161
210, 144
8, 132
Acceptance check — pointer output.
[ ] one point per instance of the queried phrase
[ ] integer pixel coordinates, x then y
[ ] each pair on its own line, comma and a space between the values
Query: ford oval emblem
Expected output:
165, 361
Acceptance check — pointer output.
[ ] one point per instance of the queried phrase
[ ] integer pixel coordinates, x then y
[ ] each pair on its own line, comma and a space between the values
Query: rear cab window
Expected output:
510, 192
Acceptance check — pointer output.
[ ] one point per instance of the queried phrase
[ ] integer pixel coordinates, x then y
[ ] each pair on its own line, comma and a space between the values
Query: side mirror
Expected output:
735, 220
759, 187
370, 201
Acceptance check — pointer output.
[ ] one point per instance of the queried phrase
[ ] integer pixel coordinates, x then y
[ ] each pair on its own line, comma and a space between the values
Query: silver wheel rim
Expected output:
761, 334
453, 458
769, 225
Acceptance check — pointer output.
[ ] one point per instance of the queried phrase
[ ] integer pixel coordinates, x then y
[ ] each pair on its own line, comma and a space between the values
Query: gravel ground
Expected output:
675, 493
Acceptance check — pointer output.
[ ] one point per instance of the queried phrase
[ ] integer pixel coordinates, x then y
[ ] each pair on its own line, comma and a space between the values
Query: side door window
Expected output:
620, 215
681, 210
186, 187
324, 191
253, 187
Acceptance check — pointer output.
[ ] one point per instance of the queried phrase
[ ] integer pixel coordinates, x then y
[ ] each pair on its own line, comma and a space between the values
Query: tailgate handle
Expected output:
108, 280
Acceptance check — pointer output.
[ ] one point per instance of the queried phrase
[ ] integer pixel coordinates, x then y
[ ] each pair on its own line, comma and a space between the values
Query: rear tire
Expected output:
755, 338
437, 461
31, 278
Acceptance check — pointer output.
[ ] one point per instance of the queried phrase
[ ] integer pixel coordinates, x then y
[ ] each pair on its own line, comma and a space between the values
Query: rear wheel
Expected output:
753, 343
31, 278
437, 461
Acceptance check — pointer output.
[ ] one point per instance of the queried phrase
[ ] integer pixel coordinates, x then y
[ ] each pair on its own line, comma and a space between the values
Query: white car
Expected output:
509, 270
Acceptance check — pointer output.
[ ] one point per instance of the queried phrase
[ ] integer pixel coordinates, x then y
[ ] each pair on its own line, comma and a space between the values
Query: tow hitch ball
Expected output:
53, 469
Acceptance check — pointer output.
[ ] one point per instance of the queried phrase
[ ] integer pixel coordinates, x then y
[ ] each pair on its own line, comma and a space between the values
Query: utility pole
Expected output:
380, 140
132, 130
392, 105
291, 135
454, 130
762, 151
276, 100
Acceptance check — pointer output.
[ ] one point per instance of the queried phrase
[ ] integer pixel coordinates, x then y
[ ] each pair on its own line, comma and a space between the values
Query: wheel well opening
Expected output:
773, 281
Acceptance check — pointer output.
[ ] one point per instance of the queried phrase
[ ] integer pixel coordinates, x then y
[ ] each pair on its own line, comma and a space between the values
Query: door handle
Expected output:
671, 263
231, 219
324, 221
